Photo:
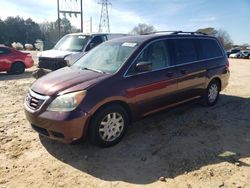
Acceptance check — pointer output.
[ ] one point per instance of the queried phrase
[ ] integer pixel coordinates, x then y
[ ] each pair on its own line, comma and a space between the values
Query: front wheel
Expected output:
108, 126
211, 96
17, 68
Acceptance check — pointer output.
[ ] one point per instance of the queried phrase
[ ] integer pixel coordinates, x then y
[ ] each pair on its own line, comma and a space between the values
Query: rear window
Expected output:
184, 50
210, 49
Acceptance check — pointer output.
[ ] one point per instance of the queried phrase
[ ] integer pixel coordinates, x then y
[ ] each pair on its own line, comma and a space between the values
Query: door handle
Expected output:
183, 71
169, 74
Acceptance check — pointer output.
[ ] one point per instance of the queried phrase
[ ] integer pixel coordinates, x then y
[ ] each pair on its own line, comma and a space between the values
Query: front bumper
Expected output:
59, 126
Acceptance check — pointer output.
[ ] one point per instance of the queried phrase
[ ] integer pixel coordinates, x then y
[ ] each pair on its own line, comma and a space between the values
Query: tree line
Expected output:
16, 29
221, 34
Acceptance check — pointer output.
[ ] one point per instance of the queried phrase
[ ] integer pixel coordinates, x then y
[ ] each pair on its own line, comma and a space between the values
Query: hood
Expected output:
55, 53
65, 78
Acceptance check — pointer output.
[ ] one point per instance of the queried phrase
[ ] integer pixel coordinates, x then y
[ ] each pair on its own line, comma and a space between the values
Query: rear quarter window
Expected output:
210, 49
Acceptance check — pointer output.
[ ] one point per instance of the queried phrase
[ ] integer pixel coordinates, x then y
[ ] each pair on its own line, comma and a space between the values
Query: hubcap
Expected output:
111, 126
213, 93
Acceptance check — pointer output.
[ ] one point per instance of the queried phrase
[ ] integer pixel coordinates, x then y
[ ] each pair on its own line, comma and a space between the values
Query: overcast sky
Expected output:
188, 15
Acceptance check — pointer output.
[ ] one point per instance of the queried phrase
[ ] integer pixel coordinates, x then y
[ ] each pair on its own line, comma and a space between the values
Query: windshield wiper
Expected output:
99, 71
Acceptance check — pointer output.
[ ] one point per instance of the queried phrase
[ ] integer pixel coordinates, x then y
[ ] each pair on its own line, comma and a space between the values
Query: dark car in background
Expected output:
14, 61
123, 80
70, 48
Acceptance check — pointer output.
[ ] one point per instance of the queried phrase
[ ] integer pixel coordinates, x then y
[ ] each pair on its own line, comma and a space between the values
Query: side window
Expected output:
184, 51
3, 51
104, 38
210, 49
95, 42
156, 54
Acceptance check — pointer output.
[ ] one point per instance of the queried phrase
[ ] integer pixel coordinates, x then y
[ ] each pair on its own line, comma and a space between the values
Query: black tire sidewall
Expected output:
17, 68
95, 123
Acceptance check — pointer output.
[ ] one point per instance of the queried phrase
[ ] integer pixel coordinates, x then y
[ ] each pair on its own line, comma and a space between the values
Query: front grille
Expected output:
51, 63
34, 101
40, 130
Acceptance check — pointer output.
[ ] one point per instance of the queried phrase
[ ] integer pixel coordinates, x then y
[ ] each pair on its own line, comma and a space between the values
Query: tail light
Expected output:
227, 65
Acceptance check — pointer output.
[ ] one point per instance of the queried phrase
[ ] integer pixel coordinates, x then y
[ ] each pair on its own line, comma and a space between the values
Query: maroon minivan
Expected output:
123, 80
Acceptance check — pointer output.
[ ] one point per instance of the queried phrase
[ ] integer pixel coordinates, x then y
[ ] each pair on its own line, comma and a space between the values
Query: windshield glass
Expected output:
107, 57
73, 43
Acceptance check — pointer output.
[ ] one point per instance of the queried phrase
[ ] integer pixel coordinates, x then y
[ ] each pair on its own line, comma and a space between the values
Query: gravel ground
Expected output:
187, 146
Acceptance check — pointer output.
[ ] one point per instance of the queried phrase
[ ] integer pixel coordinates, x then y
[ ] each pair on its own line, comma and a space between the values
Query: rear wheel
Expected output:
108, 126
211, 96
17, 68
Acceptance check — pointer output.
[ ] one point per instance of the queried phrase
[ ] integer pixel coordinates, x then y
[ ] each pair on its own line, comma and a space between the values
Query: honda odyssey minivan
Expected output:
123, 80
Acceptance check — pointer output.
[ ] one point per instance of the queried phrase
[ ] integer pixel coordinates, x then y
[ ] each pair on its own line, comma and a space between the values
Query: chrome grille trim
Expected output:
33, 101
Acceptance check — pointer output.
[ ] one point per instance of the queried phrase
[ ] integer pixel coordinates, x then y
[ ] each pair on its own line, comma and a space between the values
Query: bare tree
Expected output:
209, 31
245, 46
142, 28
221, 34
224, 39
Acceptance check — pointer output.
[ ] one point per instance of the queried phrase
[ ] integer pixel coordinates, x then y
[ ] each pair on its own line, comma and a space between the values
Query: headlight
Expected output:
67, 102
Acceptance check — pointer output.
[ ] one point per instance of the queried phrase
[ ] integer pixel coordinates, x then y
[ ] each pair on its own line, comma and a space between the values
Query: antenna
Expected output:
104, 18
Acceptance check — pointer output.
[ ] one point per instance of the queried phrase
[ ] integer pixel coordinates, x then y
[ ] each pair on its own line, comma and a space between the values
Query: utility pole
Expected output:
90, 20
104, 18
69, 7
58, 19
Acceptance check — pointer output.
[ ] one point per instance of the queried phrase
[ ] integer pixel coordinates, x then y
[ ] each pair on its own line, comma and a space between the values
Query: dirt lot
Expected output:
190, 146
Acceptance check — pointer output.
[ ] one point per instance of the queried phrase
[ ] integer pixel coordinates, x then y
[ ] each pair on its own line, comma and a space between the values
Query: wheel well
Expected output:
218, 80
121, 103
19, 62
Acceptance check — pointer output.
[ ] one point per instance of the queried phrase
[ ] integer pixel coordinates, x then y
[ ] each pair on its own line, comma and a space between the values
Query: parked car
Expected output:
235, 55
123, 80
241, 54
232, 51
70, 48
245, 54
14, 61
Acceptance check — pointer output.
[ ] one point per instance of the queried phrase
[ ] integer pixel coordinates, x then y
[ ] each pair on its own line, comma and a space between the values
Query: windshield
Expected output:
73, 43
107, 57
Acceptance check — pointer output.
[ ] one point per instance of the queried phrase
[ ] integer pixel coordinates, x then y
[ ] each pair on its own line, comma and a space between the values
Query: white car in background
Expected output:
235, 55
241, 54
245, 54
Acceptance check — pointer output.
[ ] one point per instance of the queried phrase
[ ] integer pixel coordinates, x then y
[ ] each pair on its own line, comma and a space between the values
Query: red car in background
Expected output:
14, 61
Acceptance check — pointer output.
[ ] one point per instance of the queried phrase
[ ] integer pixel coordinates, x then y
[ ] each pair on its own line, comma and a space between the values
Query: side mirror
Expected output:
68, 62
143, 66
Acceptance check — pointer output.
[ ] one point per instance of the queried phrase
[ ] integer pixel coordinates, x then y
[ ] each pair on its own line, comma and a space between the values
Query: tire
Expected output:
17, 68
212, 93
108, 126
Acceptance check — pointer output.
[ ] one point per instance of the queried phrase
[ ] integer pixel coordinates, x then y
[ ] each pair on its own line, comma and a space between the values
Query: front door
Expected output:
154, 89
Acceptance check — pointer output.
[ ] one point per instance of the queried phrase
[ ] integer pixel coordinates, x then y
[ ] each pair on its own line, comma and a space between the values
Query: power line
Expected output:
69, 7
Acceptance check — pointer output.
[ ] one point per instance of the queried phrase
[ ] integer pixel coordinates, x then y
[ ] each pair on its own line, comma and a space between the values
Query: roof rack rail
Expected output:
191, 33
155, 32
176, 32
